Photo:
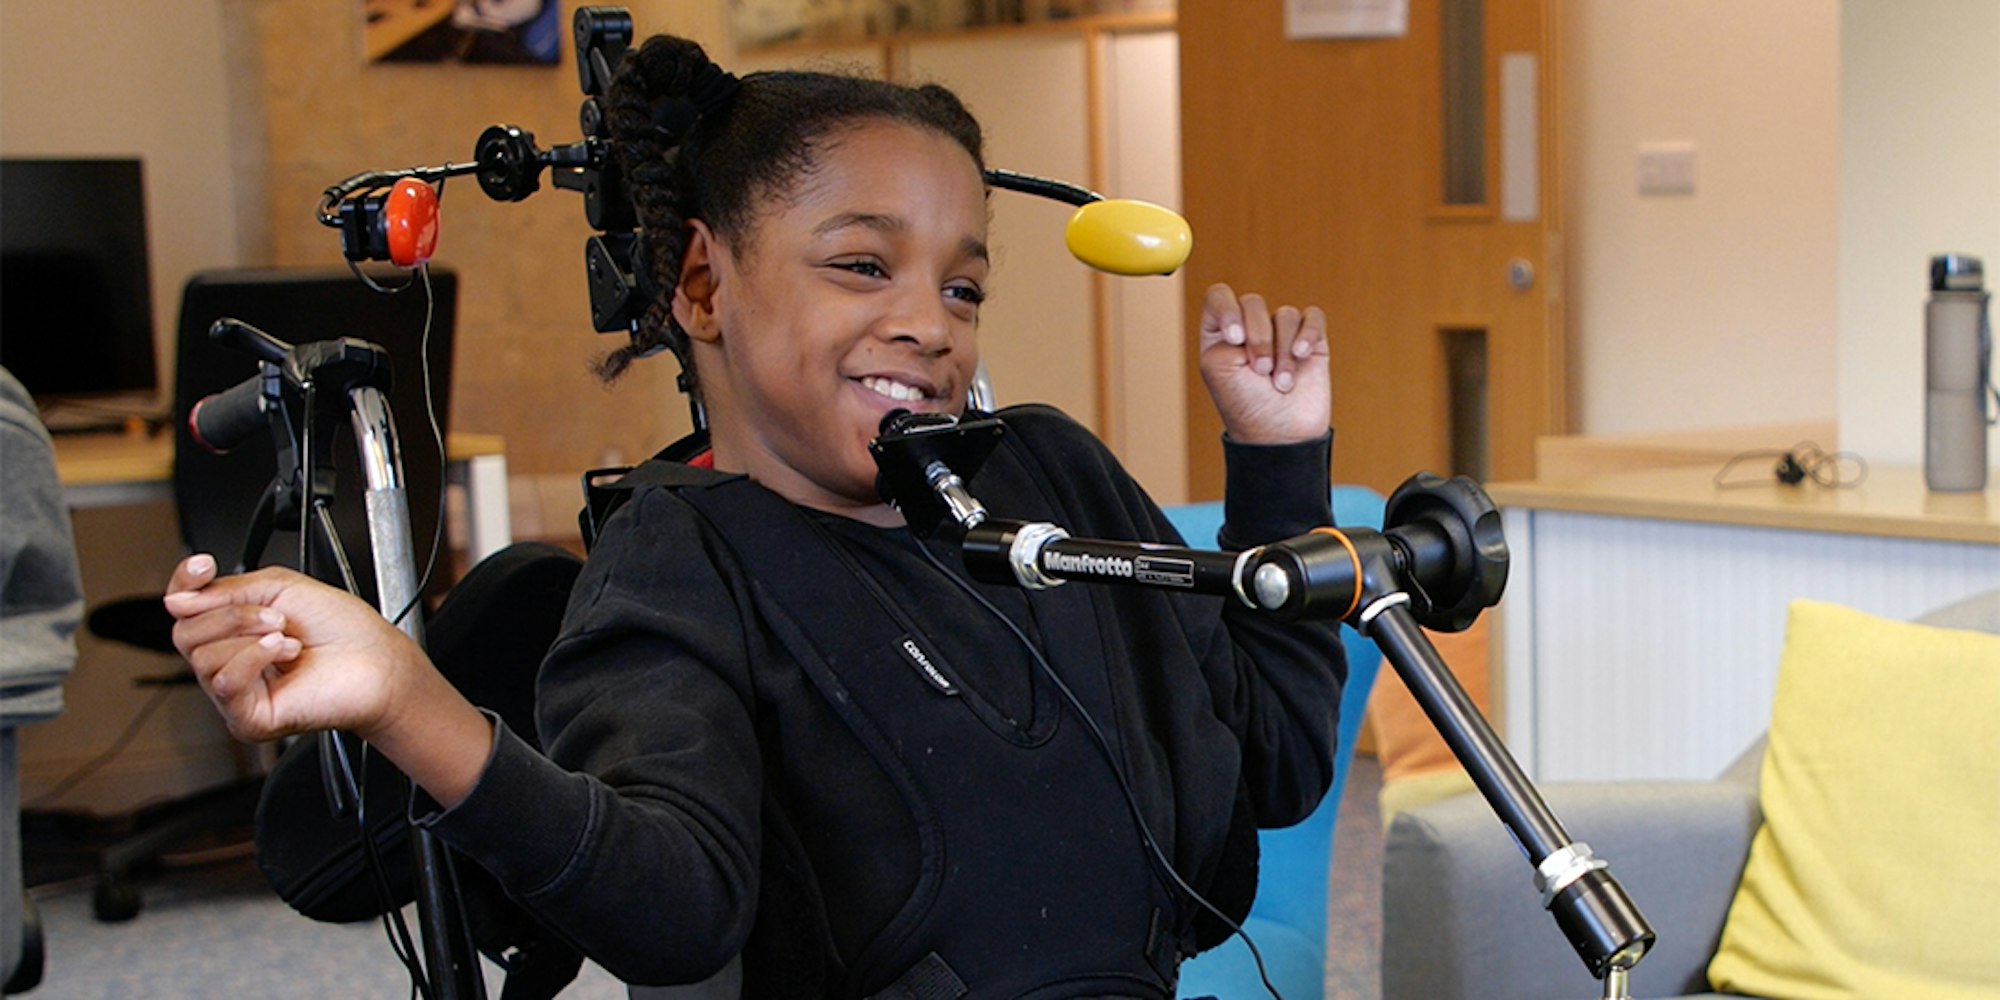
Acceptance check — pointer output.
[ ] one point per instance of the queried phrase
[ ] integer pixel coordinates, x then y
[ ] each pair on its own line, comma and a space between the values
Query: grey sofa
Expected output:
1461, 919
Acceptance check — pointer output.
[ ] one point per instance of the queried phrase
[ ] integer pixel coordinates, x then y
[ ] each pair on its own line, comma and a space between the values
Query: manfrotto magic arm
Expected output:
1438, 562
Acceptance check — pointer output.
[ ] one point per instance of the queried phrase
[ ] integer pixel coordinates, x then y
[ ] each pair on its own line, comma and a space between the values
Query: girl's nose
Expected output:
921, 318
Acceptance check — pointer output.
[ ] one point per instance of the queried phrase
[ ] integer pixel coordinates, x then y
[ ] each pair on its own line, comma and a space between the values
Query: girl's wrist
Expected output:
437, 737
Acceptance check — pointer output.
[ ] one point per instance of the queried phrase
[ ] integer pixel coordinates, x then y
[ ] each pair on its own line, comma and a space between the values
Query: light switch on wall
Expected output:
1666, 168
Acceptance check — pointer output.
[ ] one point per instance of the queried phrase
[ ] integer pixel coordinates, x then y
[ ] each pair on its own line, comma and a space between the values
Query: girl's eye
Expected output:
865, 268
966, 293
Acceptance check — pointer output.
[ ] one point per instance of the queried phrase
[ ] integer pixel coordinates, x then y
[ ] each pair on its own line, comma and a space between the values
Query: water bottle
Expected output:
1958, 349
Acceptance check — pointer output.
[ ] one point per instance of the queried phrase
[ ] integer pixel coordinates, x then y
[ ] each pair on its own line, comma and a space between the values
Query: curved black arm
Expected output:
1439, 560
1437, 563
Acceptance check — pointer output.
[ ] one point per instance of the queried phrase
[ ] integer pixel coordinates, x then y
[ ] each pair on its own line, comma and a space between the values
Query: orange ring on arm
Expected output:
1340, 536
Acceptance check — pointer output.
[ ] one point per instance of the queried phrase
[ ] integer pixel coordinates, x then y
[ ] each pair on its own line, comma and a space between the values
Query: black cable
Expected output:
1045, 187
110, 753
423, 276
376, 286
1824, 466
1160, 863
305, 484
393, 925
372, 181
392, 917
1805, 460
324, 515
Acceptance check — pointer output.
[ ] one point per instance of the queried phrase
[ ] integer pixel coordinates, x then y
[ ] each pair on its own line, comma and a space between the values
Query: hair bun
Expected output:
708, 94
713, 89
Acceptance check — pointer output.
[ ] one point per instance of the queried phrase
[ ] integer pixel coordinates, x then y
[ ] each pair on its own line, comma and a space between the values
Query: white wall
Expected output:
1149, 331
1920, 169
133, 78
1718, 308
1030, 93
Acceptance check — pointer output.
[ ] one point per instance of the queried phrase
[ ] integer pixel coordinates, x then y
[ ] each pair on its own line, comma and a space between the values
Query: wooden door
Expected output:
1316, 172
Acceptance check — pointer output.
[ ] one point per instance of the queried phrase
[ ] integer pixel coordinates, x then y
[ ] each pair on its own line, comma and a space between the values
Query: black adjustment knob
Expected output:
510, 166
1450, 533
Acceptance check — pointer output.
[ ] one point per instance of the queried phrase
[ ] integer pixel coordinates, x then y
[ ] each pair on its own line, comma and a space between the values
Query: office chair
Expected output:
216, 495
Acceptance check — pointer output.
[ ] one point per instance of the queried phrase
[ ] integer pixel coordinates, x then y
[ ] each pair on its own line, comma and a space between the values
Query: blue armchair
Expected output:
1288, 919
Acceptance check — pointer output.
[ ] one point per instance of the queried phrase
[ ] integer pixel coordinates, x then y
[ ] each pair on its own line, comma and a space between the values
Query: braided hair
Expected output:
694, 142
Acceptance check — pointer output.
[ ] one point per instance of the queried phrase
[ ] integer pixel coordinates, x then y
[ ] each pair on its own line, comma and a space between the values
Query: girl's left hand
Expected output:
1266, 369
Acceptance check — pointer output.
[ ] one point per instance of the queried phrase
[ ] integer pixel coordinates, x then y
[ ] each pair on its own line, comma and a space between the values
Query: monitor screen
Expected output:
76, 301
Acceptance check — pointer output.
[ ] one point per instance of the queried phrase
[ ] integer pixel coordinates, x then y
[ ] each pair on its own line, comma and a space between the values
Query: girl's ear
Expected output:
695, 293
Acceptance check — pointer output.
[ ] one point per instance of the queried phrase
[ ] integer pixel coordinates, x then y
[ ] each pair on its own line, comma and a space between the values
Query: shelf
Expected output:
1892, 502
1153, 20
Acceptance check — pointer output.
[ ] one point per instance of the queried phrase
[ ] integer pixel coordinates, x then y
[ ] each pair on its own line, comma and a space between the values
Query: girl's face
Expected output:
853, 294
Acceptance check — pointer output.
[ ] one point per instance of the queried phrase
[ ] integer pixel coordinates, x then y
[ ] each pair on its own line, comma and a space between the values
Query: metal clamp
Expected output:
1381, 604
1561, 869
1025, 555
1244, 559
962, 506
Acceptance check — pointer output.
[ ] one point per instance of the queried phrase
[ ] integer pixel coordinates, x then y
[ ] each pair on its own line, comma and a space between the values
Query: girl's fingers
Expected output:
223, 623
1285, 326
241, 686
1257, 334
213, 663
1300, 336
1312, 337
193, 573
1221, 317
265, 586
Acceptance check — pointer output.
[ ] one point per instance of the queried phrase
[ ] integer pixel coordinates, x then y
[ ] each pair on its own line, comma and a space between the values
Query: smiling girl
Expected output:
744, 771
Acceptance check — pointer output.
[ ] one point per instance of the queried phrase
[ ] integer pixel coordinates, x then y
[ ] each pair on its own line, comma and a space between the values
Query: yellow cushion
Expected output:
1877, 871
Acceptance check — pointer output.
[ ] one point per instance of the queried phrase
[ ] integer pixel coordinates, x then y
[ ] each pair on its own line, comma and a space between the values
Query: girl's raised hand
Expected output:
280, 653
1266, 369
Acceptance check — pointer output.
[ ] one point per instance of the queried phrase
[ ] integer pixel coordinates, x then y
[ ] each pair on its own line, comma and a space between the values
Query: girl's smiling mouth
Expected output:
901, 392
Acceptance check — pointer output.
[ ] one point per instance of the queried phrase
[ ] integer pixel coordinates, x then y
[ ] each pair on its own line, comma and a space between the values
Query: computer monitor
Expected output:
76, 295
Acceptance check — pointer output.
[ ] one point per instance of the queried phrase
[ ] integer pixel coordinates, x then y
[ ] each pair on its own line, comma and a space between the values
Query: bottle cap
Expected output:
1956, 272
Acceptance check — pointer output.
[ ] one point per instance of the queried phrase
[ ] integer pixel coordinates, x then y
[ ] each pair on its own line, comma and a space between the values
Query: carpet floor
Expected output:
215, 930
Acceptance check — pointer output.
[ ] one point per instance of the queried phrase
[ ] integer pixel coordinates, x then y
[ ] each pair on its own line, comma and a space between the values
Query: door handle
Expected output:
1520, 274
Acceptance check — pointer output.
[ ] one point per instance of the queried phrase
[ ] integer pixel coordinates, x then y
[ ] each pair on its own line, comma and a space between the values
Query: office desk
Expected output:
1645, 610
107, 470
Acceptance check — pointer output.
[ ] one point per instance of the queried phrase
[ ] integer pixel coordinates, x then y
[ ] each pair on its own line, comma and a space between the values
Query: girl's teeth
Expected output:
894, 390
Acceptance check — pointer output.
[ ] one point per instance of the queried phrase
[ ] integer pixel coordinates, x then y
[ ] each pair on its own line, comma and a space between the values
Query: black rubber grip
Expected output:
226, 419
